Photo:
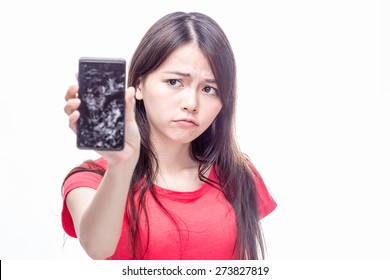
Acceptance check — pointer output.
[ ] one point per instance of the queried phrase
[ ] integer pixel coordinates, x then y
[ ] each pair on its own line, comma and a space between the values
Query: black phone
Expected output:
102, 85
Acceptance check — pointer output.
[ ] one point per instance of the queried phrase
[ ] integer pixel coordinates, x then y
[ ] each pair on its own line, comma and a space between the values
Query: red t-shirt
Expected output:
205, 219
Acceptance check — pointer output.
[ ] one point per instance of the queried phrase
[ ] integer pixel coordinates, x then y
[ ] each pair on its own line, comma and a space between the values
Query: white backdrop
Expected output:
313, 115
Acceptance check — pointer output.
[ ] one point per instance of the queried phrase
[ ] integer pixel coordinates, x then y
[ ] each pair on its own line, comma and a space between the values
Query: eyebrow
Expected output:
189, 75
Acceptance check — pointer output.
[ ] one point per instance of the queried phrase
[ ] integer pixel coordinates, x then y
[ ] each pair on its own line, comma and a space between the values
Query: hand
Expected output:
72, 104
132, 136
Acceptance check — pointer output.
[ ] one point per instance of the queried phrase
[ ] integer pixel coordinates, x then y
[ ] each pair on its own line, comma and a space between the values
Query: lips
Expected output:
186, 121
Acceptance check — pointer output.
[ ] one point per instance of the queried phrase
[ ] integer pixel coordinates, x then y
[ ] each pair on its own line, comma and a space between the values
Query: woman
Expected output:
180, 189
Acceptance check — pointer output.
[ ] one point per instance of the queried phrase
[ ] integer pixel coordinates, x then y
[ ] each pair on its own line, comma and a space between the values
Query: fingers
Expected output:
73, 117
72, 92
72, 104
130, 103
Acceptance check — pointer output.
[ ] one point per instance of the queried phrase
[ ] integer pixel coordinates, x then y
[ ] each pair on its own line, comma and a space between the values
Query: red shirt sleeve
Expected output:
266, 202
76, 180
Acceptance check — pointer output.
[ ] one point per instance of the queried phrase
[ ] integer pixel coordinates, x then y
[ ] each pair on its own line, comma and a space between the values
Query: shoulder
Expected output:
98, 164
266, 203
87, 174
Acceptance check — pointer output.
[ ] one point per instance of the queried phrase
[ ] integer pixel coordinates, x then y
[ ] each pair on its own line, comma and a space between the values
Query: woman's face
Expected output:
180, 96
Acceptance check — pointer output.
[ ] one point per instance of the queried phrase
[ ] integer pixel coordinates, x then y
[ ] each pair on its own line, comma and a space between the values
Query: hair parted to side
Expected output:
216, 146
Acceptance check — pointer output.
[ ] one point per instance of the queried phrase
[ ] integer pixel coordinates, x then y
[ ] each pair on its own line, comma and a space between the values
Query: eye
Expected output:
210, 90
174, 83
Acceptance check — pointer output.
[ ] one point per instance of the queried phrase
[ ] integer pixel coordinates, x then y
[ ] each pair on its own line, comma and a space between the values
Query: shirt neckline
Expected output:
186, 195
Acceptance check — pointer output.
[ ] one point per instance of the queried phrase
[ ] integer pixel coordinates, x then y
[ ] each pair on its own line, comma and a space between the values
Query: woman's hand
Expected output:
72, 104
98, 214
132, 135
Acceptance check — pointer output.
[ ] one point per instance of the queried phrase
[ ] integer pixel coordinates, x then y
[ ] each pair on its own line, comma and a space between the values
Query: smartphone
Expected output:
102, 85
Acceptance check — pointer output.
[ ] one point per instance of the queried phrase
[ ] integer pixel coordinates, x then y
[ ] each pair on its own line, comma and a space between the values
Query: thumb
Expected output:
130, 104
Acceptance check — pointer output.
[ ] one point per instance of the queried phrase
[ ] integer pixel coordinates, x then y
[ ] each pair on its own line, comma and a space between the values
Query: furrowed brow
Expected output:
179, 73
212, 81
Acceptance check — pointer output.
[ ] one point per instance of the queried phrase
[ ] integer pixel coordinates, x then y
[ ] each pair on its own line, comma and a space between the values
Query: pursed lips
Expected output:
186, 121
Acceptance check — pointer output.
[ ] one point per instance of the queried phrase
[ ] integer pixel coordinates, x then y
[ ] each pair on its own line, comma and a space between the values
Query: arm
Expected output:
98, 214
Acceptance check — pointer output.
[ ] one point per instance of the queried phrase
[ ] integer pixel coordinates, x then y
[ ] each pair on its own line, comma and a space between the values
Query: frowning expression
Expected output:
181, 96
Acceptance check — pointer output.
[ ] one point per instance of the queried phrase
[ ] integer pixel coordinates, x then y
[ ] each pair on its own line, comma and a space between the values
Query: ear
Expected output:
138, 91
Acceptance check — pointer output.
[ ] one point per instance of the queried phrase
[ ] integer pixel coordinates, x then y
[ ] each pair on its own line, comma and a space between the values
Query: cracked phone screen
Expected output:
101, 91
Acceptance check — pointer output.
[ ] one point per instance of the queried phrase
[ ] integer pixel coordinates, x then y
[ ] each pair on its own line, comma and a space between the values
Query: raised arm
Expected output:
98, 214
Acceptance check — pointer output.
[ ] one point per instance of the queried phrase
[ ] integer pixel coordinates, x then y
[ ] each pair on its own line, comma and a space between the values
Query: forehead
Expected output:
188, 58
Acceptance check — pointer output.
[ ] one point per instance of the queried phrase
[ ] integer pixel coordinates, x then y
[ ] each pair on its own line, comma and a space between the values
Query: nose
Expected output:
189, 101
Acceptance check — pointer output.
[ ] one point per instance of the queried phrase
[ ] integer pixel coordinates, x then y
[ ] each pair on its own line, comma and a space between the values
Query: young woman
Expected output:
181, 188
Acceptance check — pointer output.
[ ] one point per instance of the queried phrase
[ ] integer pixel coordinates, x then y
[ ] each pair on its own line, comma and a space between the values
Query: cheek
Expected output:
217, 106
154, 112
213, 111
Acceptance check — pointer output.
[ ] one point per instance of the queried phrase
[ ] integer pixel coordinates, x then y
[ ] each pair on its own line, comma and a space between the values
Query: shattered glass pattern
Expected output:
101, 91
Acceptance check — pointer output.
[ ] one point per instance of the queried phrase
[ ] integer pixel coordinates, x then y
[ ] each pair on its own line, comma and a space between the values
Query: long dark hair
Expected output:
216, 146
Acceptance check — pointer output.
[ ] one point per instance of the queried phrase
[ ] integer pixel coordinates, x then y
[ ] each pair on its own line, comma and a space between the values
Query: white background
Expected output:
313, 115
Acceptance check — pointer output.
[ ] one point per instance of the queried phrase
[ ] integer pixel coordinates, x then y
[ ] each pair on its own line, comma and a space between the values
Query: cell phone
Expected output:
102, 85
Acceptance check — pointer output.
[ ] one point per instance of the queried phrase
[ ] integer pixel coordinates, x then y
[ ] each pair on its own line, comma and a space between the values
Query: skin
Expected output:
181, 102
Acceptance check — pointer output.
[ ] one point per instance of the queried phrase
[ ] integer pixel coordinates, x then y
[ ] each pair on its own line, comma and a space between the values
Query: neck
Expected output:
173, 157
177, 171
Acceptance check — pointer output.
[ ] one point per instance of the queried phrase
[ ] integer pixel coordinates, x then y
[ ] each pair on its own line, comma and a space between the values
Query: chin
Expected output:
183, 139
